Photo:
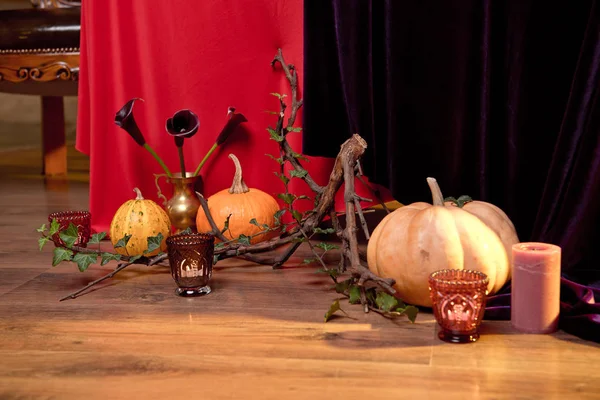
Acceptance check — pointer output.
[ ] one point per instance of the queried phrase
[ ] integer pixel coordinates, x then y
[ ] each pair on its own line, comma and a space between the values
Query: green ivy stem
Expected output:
312, 248
206, 157
157, 158
181, 161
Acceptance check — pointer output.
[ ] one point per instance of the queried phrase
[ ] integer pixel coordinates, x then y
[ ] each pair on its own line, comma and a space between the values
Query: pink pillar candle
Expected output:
535, 297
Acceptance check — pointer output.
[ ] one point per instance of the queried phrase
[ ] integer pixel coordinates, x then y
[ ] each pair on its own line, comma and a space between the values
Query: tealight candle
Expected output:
535, 293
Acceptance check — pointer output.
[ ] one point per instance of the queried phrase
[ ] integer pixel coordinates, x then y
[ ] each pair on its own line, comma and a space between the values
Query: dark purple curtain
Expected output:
496, 99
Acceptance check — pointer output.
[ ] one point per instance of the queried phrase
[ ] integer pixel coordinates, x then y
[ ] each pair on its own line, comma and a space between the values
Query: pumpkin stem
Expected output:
436, 192
238, 186
139, 194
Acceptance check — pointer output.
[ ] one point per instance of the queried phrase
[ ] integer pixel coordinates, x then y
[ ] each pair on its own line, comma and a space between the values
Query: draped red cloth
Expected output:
203, 55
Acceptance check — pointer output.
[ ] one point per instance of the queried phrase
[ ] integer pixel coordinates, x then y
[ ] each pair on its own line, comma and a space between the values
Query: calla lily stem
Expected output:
181, 162
157, 158
212, 149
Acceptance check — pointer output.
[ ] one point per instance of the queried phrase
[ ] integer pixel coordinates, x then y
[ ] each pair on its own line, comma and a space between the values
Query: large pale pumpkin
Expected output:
139, 218
418, 239
243, 204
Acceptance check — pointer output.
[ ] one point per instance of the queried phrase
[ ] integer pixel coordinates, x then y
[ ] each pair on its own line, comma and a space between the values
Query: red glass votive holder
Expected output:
458, 298
82, 221
191, 260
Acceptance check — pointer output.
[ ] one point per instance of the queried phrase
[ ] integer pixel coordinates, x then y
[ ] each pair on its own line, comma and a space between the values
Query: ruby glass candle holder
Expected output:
458, 298
191, 260
81, 220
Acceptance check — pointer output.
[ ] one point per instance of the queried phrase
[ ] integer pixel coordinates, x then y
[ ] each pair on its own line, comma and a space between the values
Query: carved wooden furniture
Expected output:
39, 55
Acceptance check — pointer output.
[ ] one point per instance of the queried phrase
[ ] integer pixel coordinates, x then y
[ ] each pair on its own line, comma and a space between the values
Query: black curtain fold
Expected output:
496, 99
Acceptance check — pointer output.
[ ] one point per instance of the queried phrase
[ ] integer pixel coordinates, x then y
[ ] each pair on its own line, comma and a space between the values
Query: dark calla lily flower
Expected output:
183, 125
233, 120
125, 120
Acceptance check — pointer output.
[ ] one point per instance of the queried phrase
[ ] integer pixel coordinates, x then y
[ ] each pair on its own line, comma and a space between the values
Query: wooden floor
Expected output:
259, 335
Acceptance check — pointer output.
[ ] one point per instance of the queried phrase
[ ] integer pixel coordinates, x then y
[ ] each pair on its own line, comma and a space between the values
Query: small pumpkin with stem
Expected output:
139, 218
241, 205
420, 238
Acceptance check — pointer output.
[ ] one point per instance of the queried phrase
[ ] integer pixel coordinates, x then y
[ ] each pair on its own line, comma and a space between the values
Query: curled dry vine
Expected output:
363, 286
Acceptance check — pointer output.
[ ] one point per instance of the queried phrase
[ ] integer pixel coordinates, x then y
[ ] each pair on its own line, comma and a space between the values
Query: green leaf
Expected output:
279, 96
410, 311
97, 237
70, 235
133, 259
186, 231
333, 273
123, 241
324, 231
275, 135
297, 215
298, 174
54, 227
310, 261
61, 254
299, 156
243, 239
303, 197
294, 129
299, 240
278, 216
335, 306
386, 302
288, 198
107, 257
341, 287
216, 258
42, 241
226, 225
279, 160
154, 242
84, 260
283, 178
253, 221
326, 246
42, 228
220, 245
354, 293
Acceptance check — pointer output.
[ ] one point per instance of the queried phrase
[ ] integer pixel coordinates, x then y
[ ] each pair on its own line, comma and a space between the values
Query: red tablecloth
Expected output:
203, 55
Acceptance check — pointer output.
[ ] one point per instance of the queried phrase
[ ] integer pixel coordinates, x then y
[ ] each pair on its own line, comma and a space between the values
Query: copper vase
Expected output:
183, 205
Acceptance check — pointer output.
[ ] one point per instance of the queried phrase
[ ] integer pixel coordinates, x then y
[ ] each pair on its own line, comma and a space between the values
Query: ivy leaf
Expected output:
324, 231
97, 237
341, 287
216, 258
288, 198
42, 228
243, 239
326, 246
298, 174
303, 197
386, 302
294, 129
84, 260
186, 231
354, 293
107, 257
275, 135
54, 227
279, 96
253, 221
299, 156
70, 235
297, 215
310, 261
371, 294
282, 177
333, 273
278, 216
123, 241
226, 225
333, 308
410, 311
61, 254
42, 241
220, 245
154, 242
299, 240
133, 259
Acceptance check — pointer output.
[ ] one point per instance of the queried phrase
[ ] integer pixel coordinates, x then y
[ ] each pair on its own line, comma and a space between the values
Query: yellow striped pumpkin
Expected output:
139, 218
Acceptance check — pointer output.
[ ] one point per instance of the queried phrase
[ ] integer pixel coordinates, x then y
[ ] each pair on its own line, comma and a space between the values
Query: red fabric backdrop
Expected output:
202, 55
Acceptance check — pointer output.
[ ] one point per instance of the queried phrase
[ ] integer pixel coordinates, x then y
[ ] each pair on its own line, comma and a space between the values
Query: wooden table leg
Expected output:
53, 136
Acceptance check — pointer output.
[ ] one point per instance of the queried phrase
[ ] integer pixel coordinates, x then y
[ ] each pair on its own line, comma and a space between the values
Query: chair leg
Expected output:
53, 136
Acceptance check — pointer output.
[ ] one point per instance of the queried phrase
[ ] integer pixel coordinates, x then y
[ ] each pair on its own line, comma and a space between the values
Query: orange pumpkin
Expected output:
139, 218
418, 239
243, 204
